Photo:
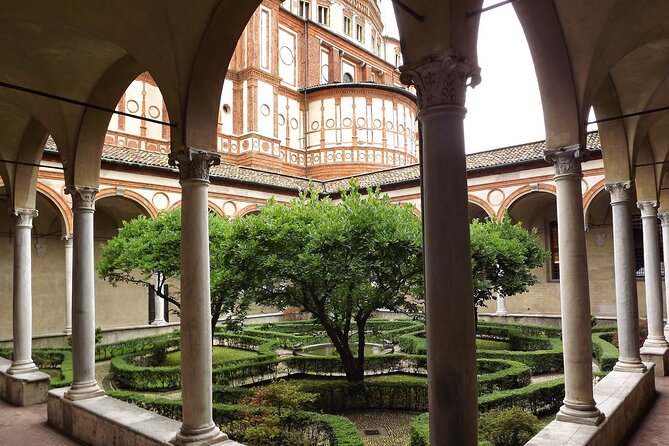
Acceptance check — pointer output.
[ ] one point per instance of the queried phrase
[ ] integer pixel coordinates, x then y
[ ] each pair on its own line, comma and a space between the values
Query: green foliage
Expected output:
512, 427
503, 257
340, 262
604, 351
147, 252
420, 431
307, 428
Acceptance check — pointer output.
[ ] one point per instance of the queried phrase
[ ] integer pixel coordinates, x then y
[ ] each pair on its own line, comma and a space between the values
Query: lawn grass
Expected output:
487, 344
219, 355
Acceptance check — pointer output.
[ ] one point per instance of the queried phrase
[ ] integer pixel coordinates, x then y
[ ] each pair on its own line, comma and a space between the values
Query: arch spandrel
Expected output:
612, 134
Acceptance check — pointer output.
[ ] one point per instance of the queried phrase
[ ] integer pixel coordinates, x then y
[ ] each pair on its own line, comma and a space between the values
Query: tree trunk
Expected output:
350, 364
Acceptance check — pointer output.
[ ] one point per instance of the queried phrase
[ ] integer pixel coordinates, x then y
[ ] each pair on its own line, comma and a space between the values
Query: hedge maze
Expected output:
394, 381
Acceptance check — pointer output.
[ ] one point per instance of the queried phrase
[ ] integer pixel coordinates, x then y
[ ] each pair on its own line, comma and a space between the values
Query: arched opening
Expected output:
476, 211
48, 257
539, 210
114, 302
599, 242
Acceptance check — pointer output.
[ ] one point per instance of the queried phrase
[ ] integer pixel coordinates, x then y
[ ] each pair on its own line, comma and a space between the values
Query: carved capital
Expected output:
648, 208
664, 218
567, 161
442, 79
194, 164
83, 197
620, 191
23, 218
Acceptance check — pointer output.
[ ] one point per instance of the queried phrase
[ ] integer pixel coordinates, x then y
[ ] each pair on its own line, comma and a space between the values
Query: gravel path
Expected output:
394, 426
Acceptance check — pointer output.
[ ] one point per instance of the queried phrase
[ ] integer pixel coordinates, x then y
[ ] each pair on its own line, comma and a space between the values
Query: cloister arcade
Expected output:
607, 54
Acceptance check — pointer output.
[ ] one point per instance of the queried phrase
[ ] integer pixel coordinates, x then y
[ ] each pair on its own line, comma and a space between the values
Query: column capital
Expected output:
664, 218
620, 191
194, 164
567, 160
83, 197
23, 217
648, 208
441, 80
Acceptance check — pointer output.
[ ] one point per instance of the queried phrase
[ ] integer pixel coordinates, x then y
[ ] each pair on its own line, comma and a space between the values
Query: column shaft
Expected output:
451, 331
627, 308
579, 404
84, 384
68, 283
196, 386
501, 306
158, 304
653, 281
22, 293
664, 218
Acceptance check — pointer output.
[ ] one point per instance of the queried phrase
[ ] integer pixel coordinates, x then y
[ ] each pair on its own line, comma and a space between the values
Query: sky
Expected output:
505, 109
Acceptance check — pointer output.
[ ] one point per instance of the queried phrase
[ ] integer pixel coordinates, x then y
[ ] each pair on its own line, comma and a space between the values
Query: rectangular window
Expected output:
360, 33
324, 15
305, 7
555, 250
347, 26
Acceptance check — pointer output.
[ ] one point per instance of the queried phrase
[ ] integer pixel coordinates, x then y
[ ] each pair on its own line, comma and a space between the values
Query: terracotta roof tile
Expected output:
493, 158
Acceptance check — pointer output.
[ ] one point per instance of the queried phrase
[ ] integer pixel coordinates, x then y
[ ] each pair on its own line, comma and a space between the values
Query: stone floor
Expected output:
654, 429
387, 428
27, 426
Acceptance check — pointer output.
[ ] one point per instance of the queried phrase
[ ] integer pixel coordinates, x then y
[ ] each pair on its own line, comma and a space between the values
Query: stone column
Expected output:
653, 282
84, 384
158, 304
501, 305
68, 283
22, 329
664, 218
579, 404
196, 387
441, 85
627, 308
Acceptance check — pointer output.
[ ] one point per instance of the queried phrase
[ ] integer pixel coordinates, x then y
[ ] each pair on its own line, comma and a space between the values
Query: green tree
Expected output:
503, 257
338, 261
145, 249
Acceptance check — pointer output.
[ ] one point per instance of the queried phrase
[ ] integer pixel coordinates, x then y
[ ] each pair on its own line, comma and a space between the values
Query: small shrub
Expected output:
513, 427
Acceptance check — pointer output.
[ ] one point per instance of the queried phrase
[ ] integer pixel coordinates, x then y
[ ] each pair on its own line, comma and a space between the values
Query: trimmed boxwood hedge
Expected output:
603, 350
539, 399
339, 430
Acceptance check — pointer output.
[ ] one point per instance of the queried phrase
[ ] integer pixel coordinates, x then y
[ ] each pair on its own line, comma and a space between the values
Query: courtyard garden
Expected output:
271, 388
343, 377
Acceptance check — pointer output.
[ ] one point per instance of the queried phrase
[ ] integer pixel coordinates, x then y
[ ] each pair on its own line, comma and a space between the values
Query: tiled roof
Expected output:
493, 158
505, 156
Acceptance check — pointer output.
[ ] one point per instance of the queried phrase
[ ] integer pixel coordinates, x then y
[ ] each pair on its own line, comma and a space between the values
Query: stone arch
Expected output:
481, 204
590, 195
216, 209
251, 209
519, 193
145, 204
60, 204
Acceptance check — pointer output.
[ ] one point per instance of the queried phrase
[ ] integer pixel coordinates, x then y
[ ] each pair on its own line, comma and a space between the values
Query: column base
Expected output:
24, 389
82, 391
655, 342
158, 323
68, 330
590, 417
658, 356
201, 437
501, 313
630, 366
21, 367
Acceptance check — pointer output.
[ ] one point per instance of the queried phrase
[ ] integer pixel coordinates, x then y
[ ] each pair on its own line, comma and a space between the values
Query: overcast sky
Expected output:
505, 109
